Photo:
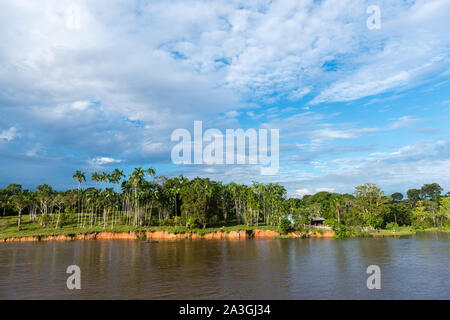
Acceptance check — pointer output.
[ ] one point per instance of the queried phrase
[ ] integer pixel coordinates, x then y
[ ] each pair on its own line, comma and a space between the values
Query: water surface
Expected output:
414, 267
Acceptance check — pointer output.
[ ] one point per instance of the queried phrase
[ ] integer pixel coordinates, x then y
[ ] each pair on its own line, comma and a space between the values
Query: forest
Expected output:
143, 199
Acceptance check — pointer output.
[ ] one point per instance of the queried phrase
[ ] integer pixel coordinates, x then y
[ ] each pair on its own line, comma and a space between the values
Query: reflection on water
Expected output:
414, 267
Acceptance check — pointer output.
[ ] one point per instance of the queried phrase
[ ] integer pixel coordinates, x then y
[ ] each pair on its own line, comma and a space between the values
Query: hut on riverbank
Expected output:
316, 221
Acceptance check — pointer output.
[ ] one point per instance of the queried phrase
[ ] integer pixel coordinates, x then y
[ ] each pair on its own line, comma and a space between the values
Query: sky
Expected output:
97, 85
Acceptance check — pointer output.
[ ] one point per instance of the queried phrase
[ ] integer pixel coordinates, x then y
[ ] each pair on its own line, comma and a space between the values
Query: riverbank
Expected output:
206, 234
33, 231
173, 233
168, 236
405, 231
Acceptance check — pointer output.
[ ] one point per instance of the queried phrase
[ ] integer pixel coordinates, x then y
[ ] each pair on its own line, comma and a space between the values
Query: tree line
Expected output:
144, 199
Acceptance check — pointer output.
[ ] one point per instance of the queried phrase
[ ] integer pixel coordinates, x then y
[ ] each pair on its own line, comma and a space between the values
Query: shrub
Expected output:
44, 219
300, 228
419, 225
63, 219
391, 225
68, 210
285, 226
373, 221
302, 220
358, 231
177, 221
168, 222
332, 223
154, 221
192, 223
340, 231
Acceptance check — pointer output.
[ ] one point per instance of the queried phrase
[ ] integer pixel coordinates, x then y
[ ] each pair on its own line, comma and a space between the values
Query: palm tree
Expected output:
19, 201
337, 203
150, 172
80, 177
115, 177
96, 177
136, 179
104, 177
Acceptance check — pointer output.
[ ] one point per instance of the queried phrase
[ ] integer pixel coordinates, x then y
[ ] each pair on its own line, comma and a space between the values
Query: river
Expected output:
412, 267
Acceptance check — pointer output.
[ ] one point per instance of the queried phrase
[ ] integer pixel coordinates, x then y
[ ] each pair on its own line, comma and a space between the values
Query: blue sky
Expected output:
353, 105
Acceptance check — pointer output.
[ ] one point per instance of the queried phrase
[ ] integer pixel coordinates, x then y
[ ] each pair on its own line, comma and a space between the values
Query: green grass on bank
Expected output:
437, 229
407, 230
8, 228
399, 231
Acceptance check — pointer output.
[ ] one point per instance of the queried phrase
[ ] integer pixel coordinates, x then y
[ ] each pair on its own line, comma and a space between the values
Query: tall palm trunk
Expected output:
20, 220
57, 221
78, 205
339, 215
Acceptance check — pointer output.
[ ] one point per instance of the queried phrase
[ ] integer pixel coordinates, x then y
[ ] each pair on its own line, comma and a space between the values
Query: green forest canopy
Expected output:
143, 199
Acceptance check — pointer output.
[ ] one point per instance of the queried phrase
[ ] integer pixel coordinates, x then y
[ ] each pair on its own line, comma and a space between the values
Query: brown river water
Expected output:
413, 267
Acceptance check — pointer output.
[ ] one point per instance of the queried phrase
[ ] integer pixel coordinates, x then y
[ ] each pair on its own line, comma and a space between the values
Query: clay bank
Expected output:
168, 236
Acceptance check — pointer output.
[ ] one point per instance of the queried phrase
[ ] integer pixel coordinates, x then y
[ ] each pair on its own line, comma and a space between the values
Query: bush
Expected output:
419, 225
332, 223
300, 228
44, 219
178, 221
192, 223
63, 219
373, 221
154, 221
340, 231
391, 225
358, 231
285, 226
302, 220
68, 210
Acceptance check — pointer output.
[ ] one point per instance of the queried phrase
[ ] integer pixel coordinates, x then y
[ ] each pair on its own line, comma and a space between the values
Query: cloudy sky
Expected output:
95, 85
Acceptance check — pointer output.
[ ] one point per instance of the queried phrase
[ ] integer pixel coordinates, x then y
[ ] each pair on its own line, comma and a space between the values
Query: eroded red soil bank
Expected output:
165, 235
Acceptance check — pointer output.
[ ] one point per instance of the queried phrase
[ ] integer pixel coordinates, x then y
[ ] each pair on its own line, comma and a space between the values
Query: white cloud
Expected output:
232, 114
404, 122
9, 134
251, 47
302, 192
409, 166
34, 151
402, 150
326, 134
400, 63
80, 105
104, 160
83, 92
325, 190
299, 93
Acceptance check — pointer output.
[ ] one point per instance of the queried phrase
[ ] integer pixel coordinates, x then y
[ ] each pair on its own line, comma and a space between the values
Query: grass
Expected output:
399, 231
8, 228
443, 229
